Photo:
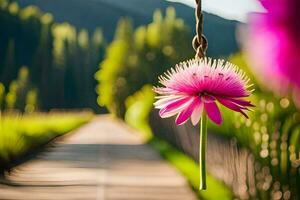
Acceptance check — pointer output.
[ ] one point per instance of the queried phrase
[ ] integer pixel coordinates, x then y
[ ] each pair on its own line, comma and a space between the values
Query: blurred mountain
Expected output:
90, 14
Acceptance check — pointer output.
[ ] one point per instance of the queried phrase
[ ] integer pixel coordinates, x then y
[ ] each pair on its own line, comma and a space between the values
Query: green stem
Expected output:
202, 151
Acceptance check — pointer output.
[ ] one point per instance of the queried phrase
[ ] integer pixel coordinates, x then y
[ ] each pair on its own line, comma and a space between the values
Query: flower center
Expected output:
203, 93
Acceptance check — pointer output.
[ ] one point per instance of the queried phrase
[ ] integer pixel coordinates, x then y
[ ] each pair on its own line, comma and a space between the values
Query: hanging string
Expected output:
199, 42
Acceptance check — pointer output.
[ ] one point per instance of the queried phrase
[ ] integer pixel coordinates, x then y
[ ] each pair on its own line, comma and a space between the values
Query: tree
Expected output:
9, 69
2, 95
137, 57
113, 88
19, 89
43, 60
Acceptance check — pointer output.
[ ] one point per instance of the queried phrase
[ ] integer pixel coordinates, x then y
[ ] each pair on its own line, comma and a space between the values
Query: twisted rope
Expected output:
199, 42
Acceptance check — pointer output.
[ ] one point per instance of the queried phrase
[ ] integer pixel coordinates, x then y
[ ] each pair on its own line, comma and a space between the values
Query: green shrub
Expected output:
138, 108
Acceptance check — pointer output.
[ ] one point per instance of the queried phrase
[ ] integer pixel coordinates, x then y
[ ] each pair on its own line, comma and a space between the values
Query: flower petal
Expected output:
175, 107
209, 99
163, 91
196, 115
213, 112
163, 102
241, 102
233, 106
184, 115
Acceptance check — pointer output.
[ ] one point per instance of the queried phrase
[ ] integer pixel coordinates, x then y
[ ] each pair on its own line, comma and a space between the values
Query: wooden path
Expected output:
103, 160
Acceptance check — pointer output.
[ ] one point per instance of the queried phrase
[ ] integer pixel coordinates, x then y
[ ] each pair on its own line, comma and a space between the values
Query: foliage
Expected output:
137, 57
2, 95
20, 134
138, 107
272, 133
21, 94
61, 62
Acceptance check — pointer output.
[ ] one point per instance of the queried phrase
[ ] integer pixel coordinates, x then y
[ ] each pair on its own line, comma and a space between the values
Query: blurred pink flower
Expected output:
274, 45
197, 85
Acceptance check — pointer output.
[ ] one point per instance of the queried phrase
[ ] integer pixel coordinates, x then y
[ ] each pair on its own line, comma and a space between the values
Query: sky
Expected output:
230, 9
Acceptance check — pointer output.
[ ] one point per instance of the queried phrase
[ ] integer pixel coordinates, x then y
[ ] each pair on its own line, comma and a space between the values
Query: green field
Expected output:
20, 134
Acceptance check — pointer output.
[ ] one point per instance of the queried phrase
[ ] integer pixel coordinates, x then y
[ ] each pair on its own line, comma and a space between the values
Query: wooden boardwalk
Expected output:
103, 160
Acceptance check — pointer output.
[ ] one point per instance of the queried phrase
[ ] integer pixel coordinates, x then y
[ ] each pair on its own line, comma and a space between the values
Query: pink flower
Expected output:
274, 45
197, 85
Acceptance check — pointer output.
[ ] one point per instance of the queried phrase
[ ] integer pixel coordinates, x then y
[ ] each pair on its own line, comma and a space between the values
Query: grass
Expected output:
20, 134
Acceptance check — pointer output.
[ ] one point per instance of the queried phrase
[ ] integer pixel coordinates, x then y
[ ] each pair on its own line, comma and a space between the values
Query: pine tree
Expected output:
2, 96
83, 77
10, 69
97, 39
42, 61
